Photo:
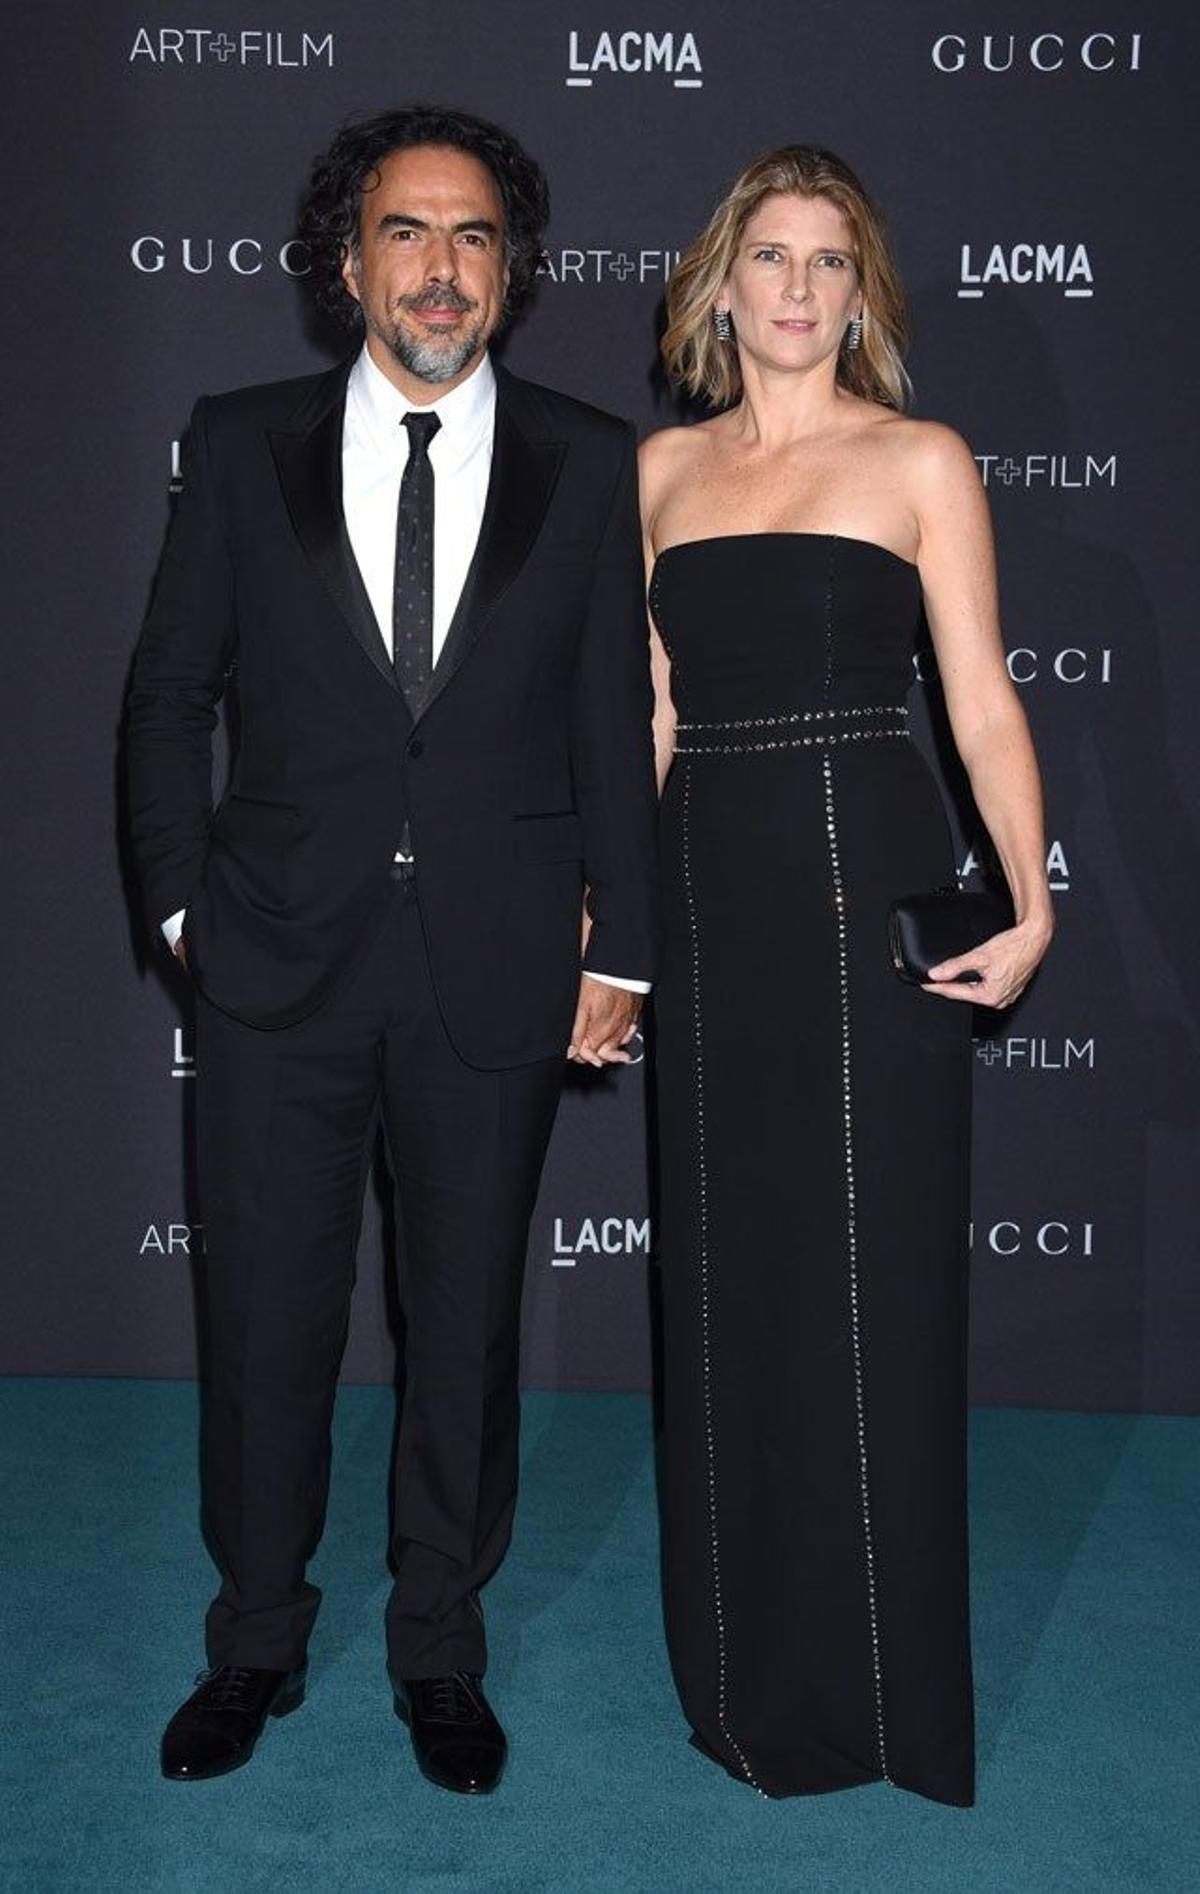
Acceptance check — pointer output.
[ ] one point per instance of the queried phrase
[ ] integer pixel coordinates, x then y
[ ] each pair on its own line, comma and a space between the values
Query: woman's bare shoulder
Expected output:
930, 447
668, 457
675, 446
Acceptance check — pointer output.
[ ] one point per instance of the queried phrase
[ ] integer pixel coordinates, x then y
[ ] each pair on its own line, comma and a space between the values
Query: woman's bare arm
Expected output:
958, 575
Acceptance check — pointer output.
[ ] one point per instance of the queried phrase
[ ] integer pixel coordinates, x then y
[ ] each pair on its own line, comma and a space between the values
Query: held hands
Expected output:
1006, 963
606, 1019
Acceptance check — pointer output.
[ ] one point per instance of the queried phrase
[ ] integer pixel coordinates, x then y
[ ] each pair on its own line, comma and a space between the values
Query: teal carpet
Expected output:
1086, 1545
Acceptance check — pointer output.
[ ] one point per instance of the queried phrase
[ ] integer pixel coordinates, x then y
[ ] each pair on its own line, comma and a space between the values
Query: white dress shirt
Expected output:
374, 456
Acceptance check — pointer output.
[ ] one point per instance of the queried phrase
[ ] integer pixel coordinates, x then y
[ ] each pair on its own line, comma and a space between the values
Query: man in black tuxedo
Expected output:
424, 577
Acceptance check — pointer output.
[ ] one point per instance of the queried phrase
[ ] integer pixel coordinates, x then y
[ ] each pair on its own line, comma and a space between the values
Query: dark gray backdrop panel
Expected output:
154, 170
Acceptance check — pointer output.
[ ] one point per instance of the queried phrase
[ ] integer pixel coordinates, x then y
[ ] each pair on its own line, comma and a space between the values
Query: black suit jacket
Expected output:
526, 770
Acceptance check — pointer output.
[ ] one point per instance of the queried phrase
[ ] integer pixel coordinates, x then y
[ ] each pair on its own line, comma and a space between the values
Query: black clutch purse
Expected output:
925, 929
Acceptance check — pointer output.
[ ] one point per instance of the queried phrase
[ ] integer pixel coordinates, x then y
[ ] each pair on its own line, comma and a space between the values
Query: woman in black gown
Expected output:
813, 1111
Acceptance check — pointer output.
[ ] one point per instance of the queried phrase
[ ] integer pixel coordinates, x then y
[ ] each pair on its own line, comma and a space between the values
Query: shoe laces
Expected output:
227, 1687
451, 1699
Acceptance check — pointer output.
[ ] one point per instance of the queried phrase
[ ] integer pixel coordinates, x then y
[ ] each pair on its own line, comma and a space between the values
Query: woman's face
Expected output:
794, 284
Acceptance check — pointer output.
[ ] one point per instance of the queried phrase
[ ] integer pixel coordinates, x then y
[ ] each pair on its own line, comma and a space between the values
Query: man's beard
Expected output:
431, 358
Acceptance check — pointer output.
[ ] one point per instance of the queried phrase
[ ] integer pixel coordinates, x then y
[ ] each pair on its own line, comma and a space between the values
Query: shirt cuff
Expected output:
610, 979
172, 928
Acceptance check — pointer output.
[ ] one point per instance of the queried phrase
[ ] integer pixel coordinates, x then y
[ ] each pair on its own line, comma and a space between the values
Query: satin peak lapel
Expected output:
310, 472
522, 479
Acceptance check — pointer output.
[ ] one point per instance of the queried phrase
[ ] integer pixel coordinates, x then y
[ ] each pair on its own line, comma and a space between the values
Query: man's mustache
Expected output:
445, 298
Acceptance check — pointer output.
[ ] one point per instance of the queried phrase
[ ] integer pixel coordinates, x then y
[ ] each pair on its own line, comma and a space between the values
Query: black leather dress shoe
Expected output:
456, 1739
216, 1729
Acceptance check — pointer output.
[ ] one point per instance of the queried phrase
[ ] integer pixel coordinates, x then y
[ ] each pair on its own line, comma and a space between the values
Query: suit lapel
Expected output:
523, 475
308, 459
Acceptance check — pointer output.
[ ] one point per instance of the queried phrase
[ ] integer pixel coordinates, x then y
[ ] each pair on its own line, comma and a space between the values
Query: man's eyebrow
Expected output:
400, 220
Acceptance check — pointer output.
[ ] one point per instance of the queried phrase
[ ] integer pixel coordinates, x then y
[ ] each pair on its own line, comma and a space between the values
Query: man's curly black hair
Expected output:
329, 219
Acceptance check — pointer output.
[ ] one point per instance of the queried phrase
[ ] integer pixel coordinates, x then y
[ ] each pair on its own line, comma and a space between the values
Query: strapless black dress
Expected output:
814, 1126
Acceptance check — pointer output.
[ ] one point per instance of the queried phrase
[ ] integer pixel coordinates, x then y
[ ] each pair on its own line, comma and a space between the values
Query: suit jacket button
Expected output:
416, 747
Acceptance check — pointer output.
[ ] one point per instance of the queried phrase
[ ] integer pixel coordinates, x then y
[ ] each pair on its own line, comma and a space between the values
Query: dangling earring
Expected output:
722, 325
854, 332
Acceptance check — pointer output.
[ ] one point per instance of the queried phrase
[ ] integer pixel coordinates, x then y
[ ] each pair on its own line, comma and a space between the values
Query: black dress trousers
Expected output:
286, 1123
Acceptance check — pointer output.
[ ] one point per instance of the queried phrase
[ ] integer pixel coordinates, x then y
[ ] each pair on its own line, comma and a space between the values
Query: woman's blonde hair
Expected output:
706, 366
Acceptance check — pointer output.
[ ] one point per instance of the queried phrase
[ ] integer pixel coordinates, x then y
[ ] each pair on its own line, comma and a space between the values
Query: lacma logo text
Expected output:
675, 55
599, 1236
1067, 266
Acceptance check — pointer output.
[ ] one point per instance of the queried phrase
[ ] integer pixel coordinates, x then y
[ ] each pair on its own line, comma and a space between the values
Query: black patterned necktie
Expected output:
412, 582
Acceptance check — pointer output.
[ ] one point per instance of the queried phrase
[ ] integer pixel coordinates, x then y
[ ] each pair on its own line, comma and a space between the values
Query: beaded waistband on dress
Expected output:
792, 730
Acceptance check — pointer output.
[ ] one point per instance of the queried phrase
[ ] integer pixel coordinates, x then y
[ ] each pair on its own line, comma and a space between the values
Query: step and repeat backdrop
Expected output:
1031, 162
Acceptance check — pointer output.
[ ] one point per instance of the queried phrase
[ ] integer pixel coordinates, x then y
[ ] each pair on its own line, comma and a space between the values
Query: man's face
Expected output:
428, 268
